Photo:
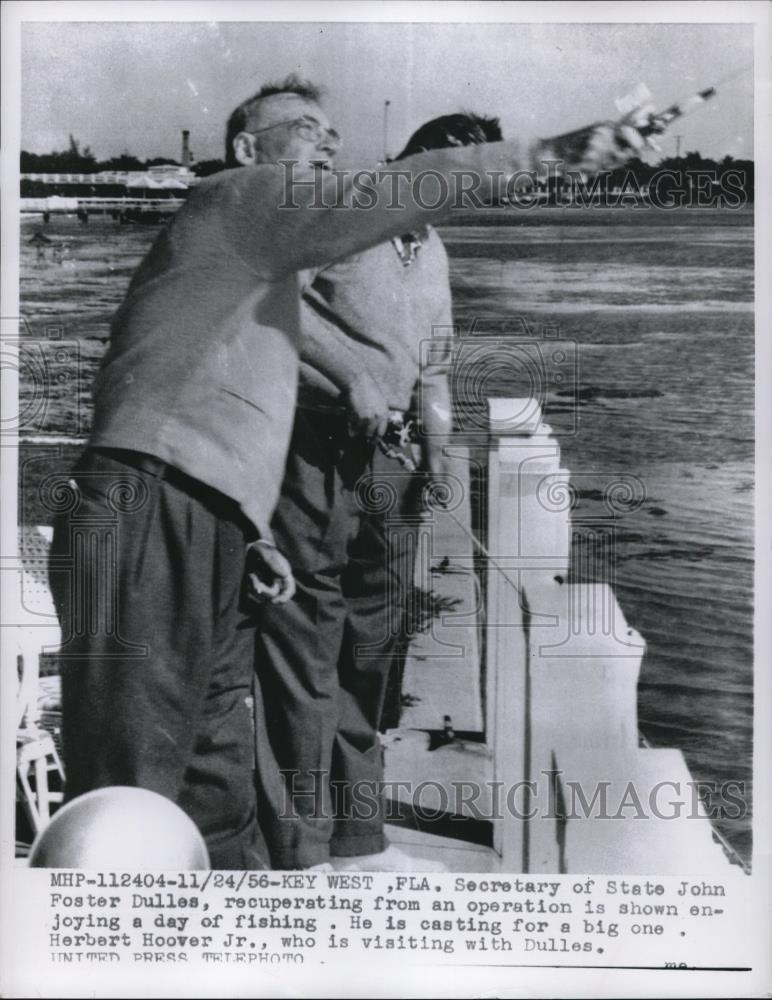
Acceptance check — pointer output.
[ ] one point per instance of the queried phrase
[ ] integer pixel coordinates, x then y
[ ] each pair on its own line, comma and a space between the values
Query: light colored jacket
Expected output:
201, 370
371, 312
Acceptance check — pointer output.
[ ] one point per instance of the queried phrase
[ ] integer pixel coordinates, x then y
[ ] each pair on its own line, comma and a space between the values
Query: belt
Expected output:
139, 460
218, 503
329, 409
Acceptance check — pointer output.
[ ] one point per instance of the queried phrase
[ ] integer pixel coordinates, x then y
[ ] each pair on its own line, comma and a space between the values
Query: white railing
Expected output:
57, 204
559, 747
126, 177
563, 667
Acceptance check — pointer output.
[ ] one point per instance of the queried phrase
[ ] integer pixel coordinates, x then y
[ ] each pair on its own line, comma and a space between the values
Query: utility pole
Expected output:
678, 146
386, 106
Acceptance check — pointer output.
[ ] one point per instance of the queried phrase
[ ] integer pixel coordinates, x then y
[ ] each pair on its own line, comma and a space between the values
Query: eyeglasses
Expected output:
307, 128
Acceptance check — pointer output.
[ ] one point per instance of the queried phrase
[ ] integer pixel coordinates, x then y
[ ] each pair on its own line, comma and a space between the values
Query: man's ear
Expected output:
244, 149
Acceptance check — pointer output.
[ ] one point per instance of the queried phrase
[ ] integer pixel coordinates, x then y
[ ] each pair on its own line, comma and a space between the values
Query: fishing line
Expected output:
480, 547
733, 76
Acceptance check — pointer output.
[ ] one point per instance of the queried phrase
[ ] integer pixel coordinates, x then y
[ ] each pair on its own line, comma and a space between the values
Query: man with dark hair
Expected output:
323, 661
462, 129
169, 521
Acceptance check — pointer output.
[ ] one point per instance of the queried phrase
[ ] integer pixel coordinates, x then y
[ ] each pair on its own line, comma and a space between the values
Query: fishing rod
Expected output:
660, 120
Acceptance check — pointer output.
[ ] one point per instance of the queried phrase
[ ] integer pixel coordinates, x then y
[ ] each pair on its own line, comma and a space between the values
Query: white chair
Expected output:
39, 771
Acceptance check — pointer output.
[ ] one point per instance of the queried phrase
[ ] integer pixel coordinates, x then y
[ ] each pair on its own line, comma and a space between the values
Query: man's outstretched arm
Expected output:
314, 218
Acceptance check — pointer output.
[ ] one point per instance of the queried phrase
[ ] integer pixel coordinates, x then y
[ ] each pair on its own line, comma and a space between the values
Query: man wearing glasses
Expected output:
168, 528
291, 125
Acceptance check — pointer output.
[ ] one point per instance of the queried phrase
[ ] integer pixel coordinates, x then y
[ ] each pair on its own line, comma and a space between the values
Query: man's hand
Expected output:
269, 575
367, 406
604, 145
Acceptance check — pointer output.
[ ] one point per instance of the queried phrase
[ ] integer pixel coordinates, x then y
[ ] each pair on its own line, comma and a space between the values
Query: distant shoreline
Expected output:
540, 215
568, 215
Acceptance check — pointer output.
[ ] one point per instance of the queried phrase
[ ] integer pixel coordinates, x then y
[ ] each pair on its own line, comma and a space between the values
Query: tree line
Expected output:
690, 163
75, 160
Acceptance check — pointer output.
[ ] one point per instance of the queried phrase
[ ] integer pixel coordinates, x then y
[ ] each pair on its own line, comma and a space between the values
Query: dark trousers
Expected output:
323, 660
147, 571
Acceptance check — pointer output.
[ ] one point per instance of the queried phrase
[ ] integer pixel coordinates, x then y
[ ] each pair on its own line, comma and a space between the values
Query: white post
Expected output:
526, 539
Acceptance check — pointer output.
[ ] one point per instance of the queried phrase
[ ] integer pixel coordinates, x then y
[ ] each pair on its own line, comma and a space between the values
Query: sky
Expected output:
135, 86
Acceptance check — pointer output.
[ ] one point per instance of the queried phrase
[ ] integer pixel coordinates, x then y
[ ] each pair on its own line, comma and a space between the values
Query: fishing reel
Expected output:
399, 440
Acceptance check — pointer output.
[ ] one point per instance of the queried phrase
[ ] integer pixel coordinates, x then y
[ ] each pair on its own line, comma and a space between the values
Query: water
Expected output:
655, 311
661, 319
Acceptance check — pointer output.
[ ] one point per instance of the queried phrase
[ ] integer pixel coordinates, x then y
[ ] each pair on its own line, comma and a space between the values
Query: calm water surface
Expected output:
658, 318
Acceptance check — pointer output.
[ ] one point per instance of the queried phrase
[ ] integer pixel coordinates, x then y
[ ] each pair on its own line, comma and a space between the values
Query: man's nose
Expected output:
330, 142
